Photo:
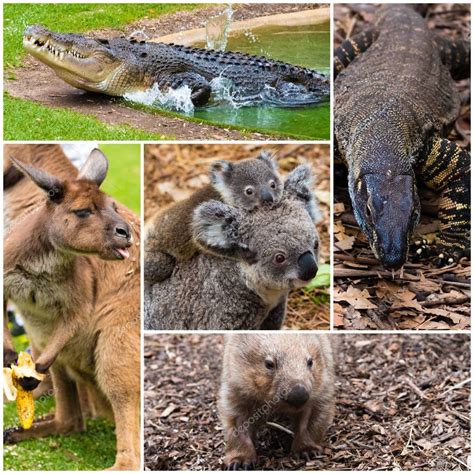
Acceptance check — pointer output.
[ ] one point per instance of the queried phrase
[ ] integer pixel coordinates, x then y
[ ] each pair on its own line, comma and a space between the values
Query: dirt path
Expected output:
399, 406
35, 81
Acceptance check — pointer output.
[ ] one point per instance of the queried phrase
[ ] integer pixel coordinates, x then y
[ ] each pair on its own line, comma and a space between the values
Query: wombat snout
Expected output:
307, 266
297, 396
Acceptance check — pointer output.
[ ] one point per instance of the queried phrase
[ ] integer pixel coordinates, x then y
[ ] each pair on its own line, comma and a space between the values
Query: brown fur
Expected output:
251, 393
81, 308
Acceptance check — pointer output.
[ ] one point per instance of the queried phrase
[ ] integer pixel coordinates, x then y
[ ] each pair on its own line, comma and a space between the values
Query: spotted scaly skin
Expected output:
394, 98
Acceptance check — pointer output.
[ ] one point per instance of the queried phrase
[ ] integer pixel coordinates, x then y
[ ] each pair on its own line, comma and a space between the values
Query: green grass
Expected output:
123, 178
93, 449
27, 120
73, 18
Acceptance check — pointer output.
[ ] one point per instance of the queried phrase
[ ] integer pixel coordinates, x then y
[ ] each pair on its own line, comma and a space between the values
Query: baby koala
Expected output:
267, 375
246, 184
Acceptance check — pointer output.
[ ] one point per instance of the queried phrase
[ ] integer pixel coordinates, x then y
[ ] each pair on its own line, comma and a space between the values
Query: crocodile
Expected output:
124, 65
395, 98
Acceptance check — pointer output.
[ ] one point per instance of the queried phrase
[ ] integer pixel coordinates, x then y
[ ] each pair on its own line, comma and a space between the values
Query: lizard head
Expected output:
387, 209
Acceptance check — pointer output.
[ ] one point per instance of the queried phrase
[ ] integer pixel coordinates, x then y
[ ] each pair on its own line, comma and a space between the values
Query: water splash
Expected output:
178, 100
217, 29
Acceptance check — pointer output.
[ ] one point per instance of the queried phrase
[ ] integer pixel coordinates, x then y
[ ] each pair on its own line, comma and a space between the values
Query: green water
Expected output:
306, 46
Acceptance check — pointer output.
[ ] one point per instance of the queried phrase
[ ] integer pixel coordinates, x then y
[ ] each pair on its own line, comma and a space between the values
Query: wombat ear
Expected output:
298, 185
95, 168
216, 230
269, 159
47, 182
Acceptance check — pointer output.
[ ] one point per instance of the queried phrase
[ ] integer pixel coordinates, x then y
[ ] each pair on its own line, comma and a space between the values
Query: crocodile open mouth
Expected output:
50, 47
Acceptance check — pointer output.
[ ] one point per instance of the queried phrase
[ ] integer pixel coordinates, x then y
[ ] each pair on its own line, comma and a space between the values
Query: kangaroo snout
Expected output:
297, 396
307, 266
123, 230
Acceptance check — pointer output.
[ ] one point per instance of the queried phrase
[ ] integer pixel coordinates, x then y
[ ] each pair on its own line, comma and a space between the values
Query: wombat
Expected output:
247, 184
275, 374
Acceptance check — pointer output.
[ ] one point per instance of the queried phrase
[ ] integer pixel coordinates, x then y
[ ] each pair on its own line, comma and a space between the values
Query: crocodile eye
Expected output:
310, 362
82, 213
249, 190
272, 184
280, 258
269, 364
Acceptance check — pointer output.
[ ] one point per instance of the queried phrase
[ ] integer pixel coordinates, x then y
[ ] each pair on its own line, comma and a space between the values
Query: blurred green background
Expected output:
123, 178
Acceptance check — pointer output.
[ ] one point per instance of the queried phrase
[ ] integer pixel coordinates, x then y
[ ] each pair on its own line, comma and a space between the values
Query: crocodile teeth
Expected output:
61, 56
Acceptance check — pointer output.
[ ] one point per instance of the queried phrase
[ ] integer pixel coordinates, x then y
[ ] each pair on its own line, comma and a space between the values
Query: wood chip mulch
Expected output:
421, 296
403, 403
173, 172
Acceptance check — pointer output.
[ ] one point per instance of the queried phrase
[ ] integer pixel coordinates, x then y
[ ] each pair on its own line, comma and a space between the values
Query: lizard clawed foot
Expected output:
421, 250
447, 256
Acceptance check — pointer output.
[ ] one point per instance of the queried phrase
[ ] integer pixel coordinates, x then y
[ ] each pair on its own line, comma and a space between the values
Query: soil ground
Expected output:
173, 172
420, 296
402, 404
51, 91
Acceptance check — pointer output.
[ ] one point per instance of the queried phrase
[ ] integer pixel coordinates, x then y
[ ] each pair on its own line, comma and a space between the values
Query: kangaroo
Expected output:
71, 266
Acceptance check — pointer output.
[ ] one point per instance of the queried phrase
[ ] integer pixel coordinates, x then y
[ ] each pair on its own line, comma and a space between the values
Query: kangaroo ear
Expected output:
269, 159
95, 168
298, 185
53, 186
216, 230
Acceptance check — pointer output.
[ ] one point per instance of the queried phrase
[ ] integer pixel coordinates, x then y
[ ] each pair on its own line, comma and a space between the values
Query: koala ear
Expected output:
53, 186
298, 186
216, 230
220, 172
269, 159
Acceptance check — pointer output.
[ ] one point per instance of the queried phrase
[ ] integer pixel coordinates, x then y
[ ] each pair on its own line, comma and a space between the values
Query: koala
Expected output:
241, 290
269, 375
247, 184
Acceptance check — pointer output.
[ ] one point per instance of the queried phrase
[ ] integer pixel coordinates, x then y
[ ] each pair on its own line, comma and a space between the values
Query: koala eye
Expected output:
310, 362
82, 213
269, 364
272, 184
280, 258
249, 190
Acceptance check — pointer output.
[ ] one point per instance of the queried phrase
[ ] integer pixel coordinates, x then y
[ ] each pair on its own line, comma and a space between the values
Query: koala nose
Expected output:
123, 231
266, 195
307, 266
297, 396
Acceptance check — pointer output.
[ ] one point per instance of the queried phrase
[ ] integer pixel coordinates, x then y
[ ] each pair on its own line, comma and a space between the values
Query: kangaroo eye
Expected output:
310, 362
269, 364
273, 184
280, 258
82, 213
249, 190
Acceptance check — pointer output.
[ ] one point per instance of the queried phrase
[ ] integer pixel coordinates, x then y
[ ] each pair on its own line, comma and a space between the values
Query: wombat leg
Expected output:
309, 433
67, 416
240, 450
